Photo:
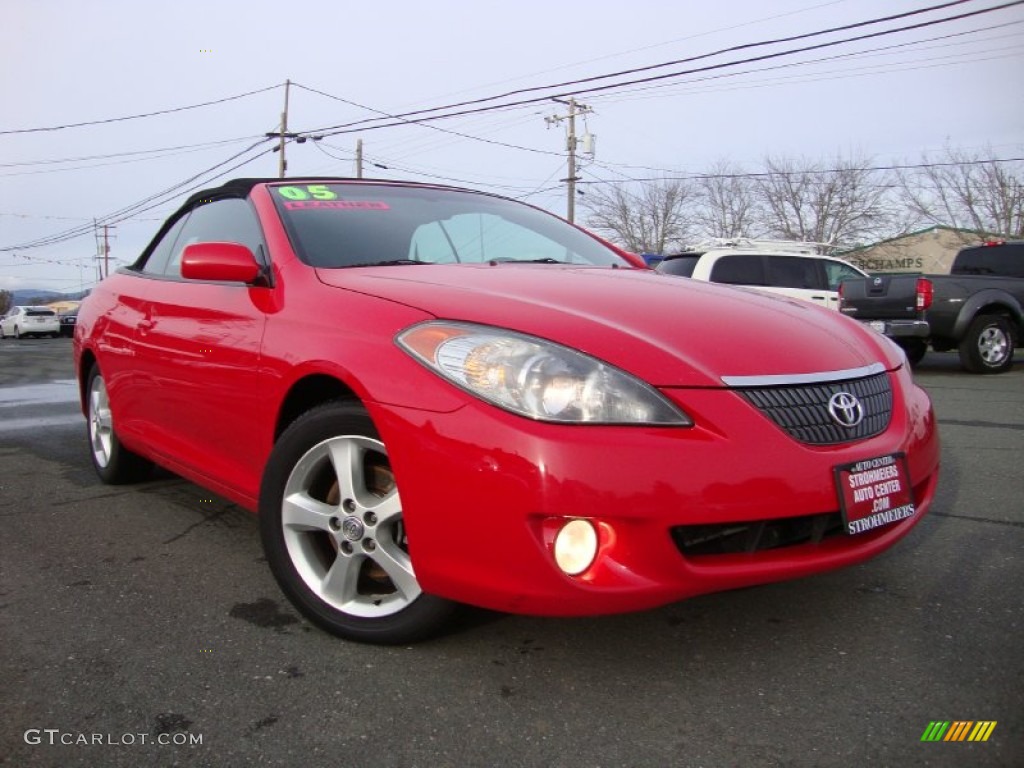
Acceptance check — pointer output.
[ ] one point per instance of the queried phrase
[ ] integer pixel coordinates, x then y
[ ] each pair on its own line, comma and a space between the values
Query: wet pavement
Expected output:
37, 385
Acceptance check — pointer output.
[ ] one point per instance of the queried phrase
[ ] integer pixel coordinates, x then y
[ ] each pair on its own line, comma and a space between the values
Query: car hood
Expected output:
669, 331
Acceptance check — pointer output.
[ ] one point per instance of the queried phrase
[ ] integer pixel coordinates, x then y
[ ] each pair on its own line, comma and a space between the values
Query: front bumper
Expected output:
477, 485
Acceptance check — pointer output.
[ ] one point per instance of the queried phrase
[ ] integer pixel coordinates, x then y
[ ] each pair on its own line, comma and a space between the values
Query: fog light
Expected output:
575, 546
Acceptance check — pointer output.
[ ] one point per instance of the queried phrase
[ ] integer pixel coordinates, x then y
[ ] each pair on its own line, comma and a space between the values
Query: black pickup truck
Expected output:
976, 309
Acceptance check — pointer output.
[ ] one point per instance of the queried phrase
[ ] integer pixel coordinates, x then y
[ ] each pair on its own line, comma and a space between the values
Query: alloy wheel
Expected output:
341, 518
993, 345
101, 423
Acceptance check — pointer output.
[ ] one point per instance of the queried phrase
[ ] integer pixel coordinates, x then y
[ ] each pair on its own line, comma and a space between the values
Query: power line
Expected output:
142, 115
670, 175
389, 164
106, 165
146, 204
331, 130
674, 41
413, 145
870, 52
57, 161
422, 125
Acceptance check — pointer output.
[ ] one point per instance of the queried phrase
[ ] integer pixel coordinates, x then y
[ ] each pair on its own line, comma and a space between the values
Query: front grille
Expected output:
732, 538
802, 409
761, 535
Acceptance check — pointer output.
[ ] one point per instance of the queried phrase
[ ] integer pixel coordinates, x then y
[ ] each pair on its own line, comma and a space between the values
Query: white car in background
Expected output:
776, 266
29, 321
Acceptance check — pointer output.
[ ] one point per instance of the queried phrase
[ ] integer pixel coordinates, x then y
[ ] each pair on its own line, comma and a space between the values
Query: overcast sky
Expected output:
65, 61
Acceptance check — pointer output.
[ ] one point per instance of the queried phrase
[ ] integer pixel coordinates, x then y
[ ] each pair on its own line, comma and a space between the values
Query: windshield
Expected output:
359, 224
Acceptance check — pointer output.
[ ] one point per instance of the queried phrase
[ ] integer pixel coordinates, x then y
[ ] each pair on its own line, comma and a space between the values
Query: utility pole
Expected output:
103, 250
282, 164
106, 250
571, 144
359, 158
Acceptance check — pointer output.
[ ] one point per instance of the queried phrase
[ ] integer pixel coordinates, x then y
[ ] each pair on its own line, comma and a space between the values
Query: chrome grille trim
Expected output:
792, 379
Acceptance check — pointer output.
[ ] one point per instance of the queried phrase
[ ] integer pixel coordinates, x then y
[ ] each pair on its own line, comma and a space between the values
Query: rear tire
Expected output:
333, 531
987, 347
114, 463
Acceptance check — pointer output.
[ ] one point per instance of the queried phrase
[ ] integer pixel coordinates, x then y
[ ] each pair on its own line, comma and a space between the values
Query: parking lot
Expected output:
146, 615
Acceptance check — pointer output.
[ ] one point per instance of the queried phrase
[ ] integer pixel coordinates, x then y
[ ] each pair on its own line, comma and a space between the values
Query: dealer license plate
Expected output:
874, 492
877, 325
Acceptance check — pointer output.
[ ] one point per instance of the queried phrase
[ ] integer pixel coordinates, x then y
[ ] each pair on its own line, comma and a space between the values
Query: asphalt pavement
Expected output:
140, 625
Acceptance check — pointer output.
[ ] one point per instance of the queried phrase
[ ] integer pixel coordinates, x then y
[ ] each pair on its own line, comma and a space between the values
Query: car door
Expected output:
198, 353
800, 277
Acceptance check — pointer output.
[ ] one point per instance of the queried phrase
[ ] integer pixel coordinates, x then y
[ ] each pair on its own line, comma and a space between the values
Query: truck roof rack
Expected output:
746, 243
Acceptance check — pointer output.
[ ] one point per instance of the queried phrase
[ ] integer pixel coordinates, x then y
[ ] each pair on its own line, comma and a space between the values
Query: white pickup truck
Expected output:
777, 266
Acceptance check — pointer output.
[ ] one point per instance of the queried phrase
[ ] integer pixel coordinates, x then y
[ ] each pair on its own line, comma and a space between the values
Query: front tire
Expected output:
332, 525
114, 463
987, 347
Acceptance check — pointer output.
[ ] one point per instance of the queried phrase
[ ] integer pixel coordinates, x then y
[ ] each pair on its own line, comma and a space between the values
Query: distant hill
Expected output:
43, 296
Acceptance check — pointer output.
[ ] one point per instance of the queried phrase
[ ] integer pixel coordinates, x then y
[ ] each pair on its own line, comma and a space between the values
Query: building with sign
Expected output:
928, 251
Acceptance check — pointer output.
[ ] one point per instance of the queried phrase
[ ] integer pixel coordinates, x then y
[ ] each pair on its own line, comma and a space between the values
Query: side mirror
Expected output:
220, 262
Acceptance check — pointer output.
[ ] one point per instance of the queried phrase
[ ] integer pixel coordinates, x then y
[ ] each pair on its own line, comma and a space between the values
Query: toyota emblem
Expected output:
845, 409
352, 529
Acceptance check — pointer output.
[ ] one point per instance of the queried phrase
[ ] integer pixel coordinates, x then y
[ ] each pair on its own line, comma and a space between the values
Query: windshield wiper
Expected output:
390, 263
545, 260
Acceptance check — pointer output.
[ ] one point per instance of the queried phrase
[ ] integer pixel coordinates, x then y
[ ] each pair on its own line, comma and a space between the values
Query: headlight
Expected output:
537, 378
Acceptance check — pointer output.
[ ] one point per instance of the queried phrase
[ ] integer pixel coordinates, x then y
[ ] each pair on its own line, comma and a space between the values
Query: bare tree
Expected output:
968, 191
841, 202
654, 218
728, 202
6, 297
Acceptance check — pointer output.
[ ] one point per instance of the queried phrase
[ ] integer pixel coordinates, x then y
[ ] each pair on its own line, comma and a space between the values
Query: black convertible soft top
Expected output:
242, 187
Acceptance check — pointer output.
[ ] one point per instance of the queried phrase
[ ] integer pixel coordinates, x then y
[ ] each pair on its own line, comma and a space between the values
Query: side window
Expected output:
836, 272
1011, 263
969, 262
157, 260
793, 272
1006, 260
231, 220
741, 269
679, 265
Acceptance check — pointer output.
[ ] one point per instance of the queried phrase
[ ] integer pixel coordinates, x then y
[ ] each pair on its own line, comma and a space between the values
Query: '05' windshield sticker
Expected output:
314, 191
345, 205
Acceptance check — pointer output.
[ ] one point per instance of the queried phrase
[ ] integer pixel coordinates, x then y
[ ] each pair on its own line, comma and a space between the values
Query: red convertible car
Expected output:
434, 396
